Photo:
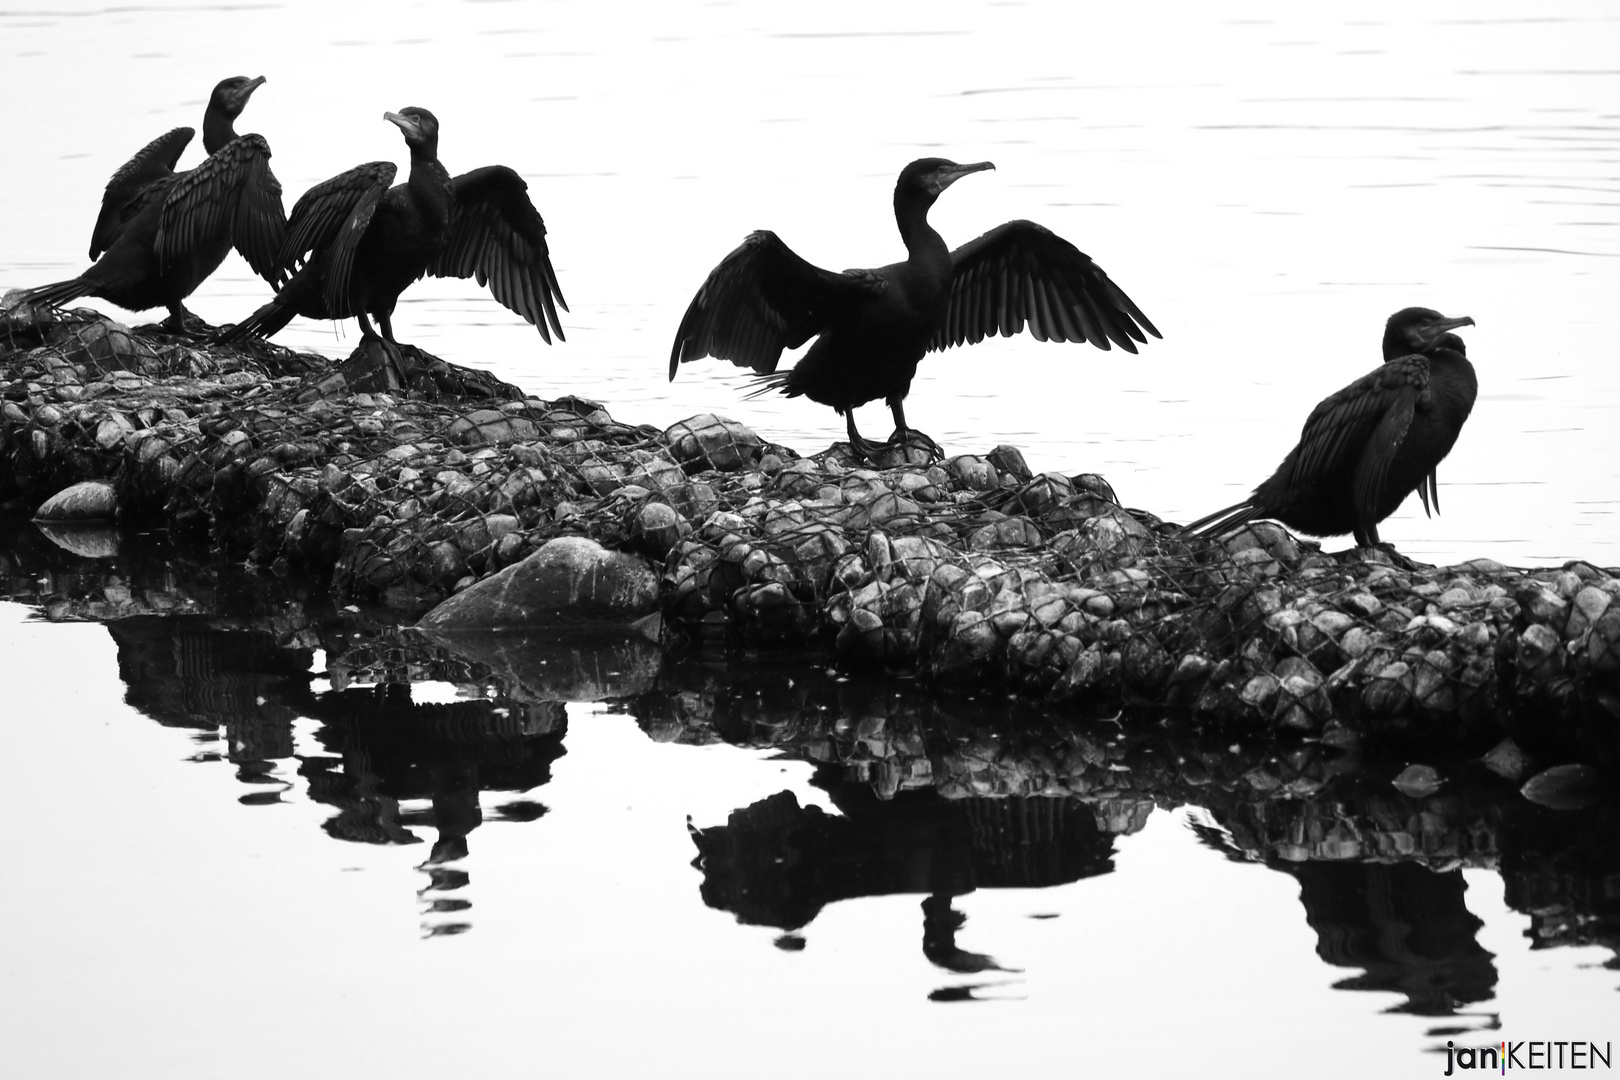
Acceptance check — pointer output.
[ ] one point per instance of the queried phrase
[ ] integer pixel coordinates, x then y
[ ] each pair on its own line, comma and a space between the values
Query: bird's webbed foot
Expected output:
861, 449
183, 321
1396, 559
908, 446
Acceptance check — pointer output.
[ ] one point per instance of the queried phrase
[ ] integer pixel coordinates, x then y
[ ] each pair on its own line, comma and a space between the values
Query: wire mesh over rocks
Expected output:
973, 571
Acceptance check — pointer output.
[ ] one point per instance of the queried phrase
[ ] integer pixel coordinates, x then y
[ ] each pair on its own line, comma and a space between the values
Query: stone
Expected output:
89, 500
491, 427
707, 441
1418, 781
569, 581
1565, 787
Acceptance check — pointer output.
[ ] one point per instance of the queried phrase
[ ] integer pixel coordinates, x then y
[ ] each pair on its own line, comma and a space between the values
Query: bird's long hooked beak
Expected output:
1426, 335
404, 123
247, 89
945, 177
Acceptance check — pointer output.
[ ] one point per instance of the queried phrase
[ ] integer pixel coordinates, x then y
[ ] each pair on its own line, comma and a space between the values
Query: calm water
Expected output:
215, 893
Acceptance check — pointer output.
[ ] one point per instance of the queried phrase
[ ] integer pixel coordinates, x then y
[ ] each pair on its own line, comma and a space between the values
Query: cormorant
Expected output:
875, 325
1365, 448
161, 233
362, 243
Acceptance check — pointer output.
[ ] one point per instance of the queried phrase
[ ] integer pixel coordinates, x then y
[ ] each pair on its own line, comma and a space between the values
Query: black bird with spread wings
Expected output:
160, 233
354, 243
1367, 447
873, 326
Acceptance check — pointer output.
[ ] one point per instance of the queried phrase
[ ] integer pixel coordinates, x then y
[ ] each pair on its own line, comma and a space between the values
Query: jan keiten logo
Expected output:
1527, 1054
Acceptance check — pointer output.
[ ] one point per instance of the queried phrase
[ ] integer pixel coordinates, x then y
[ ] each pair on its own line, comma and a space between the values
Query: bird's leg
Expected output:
386, 339
178, 317
858, 446
904, 436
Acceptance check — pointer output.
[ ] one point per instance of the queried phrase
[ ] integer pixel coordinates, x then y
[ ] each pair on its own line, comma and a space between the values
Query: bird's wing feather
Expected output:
202, 206
498, 237
763, 298
339, 293
260, 227
154, 161
1022, 274
1363, 423
319, 215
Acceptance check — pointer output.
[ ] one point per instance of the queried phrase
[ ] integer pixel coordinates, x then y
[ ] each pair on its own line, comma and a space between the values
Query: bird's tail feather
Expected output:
57, 293
776, 381
262, 323
1223, 521
279, 311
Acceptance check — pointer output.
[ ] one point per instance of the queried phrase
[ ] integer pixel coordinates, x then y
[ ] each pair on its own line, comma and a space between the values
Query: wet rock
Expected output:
1506, 760
90, 500
1009, 461
708, 441
570, 580
1418, 781
1566, 787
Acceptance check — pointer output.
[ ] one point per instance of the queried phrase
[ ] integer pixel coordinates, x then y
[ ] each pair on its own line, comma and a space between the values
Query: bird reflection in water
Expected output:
391, 750
385, 751
1407, 927
777, 863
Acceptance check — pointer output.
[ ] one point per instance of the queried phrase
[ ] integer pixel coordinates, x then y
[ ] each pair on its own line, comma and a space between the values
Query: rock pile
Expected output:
972, 571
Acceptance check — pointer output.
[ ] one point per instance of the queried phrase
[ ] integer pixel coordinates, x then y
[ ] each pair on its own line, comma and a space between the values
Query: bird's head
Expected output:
1420, 330
420, 127
232, 94
925, 178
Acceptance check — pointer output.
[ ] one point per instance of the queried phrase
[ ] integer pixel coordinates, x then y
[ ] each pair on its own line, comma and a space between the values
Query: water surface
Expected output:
241, 850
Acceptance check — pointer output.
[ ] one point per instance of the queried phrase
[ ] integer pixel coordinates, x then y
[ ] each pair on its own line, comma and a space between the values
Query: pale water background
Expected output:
1268, 181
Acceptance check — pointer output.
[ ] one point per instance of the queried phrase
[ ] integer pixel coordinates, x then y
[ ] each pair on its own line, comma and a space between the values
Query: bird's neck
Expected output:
923, 244
429, 181
219, 129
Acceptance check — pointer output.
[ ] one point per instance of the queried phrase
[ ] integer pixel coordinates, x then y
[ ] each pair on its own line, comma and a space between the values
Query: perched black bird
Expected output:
1365, 448
875, 325
361, 243
161, 233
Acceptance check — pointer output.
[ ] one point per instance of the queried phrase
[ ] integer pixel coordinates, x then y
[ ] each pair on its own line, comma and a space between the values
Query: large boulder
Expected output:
570, 581
86, 501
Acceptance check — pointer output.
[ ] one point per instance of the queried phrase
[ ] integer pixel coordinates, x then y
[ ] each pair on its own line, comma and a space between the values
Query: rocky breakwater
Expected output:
438, 485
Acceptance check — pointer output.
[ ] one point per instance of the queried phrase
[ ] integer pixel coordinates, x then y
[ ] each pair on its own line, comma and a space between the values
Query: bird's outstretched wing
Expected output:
498, 238
329, 219
763, 298
1361, 428
232, 197
1021, 273
153, 162
260, 227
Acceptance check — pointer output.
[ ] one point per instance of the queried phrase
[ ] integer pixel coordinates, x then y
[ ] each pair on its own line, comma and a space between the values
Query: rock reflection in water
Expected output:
942, 795
383, 748
935, 796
